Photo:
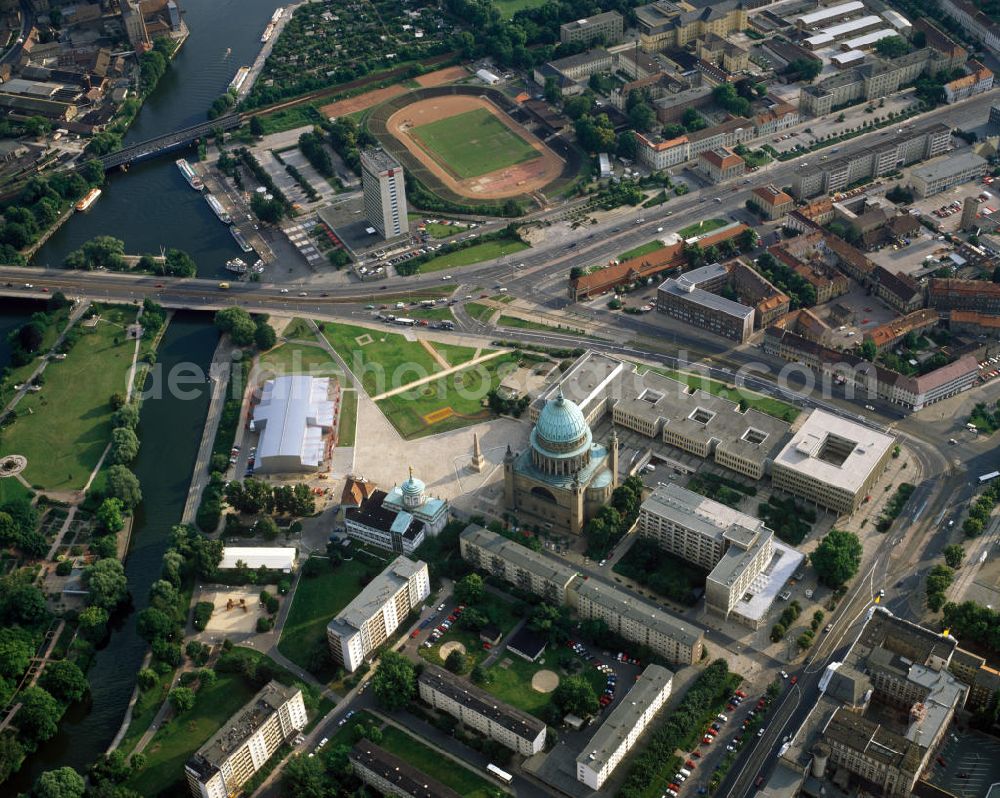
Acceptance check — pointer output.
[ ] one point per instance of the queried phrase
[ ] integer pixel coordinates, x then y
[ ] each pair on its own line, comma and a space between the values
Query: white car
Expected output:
284, 290
784, 675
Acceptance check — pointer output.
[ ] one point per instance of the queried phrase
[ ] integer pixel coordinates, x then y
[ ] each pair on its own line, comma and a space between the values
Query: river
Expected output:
170, 429
151, 205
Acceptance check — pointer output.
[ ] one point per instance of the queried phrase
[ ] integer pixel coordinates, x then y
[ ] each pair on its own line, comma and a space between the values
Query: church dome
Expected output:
561, 424
412, 491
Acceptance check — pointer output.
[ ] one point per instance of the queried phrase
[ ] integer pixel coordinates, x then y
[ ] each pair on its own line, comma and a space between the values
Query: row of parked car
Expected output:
442, 627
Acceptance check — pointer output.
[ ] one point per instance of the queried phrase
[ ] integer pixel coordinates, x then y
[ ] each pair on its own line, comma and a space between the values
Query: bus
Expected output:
989, 477
500, 775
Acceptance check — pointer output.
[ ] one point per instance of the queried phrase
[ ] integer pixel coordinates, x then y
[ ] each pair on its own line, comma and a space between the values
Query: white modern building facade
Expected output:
294, 418
377, 611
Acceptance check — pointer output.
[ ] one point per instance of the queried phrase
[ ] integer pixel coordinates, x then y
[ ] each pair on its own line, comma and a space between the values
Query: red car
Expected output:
696, 755
741, 694
706, 740
793, 680
159, 285
760, 781
689, 765
710, 733
487, 646
414, 633
674, 787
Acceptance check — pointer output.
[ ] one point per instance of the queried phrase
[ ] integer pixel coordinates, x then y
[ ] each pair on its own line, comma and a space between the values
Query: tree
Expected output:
804, 69
267, 210
575, 107
869, 350
154, 624
178, 263
551, 90
251, 496
92, 623
256, 126
122, 484
395, 681
107, 583
124, 446
38, 718
11, 754
892, 47
109, 515
575, 695
30, 336
239, 325
102, 252
126, 416
472, 619
938, 581
21, 602
837, 557
264, 336
65, 681
15, 652
456, 661
305, 777
267, 528
953, 555
181, 698
303, 501
628, 144
642, 117
60, 783
469, 589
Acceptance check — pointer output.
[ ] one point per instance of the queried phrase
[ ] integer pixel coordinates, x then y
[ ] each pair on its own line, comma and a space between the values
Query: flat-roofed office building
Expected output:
832, 462
377, 611
686, 299
606, 28
624, 726
516, 564
481, 711
232, 755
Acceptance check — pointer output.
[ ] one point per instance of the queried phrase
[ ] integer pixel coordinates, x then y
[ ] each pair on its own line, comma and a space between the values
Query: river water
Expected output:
151, 205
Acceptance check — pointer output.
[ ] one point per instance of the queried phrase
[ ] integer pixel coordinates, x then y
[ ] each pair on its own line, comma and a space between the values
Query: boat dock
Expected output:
265, 51
237, 207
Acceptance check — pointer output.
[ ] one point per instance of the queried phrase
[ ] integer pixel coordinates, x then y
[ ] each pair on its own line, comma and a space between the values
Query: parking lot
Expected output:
967, 764
954, 197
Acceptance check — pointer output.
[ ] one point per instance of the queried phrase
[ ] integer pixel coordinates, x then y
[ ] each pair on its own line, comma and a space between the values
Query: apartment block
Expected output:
832, 462
392, 776
481, 711
637, 621
899, 291
232, 755
887, 335
384, 193
978, 81
658, 153
606, 28
756, 290
624, 726
940, 175
377, 611
520, 566
974, 22
723, 53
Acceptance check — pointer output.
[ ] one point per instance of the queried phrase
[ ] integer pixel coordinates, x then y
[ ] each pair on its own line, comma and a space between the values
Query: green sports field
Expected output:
473, 143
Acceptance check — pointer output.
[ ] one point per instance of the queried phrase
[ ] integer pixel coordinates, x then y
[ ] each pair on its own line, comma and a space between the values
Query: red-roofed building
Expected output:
771, 201
626, 272
721, 164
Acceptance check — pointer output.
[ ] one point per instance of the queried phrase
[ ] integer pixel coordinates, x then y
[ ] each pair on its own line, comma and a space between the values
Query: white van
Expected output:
685, 773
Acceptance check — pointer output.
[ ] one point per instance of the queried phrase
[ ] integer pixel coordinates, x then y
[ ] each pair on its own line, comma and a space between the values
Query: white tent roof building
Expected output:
294, 417
274, 559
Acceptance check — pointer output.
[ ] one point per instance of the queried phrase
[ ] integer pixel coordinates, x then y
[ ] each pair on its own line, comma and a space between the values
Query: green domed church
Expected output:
563, 478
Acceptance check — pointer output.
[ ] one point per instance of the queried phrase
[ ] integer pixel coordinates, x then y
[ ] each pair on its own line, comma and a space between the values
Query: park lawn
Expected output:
289, 118
64, 428
457, 355
11, 488
299, 359
387, 362
431, 314
145, 709
18, 374
474, 254
765, 404
510, 7
701, 228
462, 392
345, 734
348, 418
642, 249
513, 684
317, 599
299, 328
436, 765
524, 324
473, 143
478, 311
438, 230
177, 739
